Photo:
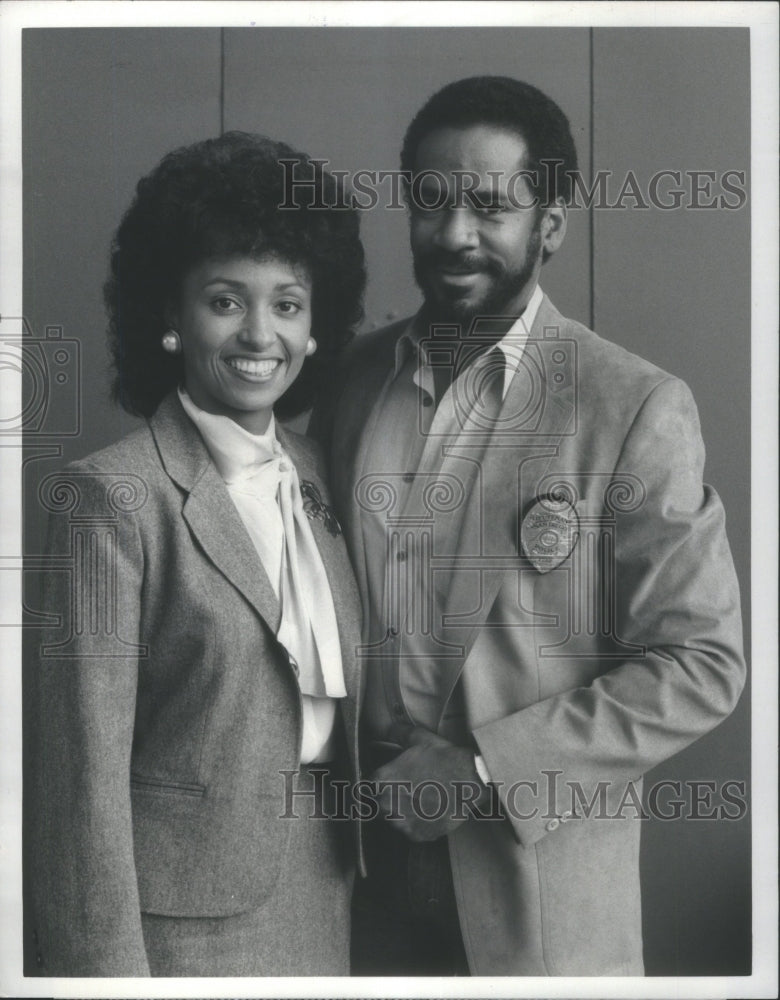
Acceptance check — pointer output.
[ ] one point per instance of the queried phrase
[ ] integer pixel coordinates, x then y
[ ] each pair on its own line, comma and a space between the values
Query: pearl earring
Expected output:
171, 342
311, 346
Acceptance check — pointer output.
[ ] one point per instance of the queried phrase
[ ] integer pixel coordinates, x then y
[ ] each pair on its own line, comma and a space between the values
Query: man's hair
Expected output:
508, 104
221, 198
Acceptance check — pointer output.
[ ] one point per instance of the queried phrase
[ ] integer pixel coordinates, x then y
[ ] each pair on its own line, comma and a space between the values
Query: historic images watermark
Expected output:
86, 510
666, 190
41, 383
567, 522
549, 799
48, 370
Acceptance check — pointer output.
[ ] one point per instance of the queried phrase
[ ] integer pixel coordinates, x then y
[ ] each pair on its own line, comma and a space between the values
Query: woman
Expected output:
203, 676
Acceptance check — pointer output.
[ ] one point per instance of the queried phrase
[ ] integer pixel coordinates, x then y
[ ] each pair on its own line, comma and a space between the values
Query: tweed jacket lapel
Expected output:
218, 529
208, 509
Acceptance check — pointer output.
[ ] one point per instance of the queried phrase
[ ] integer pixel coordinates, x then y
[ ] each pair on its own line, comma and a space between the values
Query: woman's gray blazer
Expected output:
164, 709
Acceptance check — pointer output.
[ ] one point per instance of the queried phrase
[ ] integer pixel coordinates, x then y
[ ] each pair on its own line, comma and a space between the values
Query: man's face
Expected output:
481, 252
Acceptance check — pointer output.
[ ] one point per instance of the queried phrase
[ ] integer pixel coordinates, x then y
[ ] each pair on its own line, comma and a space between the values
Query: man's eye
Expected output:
430, 200
490, 208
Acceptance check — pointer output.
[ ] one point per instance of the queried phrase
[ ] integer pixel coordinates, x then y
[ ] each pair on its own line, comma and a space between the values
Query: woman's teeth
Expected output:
258, 368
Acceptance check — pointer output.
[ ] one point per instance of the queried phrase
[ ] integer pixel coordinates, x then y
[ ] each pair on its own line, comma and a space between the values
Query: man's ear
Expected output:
553, 226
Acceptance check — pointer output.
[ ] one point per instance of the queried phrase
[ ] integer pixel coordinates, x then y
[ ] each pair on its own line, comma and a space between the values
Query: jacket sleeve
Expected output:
677, 598
86, 911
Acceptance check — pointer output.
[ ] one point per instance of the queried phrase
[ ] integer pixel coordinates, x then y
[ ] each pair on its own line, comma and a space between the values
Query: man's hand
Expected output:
426, 792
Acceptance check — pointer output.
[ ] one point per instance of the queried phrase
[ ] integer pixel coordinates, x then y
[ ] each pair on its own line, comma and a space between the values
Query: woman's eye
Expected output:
289, 307
225, 304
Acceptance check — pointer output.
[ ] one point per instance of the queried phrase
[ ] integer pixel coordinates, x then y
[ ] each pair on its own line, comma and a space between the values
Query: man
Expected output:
551, 607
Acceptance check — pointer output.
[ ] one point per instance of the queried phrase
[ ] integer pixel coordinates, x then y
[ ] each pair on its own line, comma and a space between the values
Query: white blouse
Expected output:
263, 484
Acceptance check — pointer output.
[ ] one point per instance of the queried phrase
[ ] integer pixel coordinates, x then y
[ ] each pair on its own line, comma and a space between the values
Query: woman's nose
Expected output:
258, 330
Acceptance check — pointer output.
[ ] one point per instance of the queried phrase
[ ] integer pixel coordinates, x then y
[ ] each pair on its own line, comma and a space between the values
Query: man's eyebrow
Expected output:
462, 184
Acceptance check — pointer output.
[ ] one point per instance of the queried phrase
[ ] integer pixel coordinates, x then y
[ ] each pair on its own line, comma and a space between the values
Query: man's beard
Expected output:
498, 301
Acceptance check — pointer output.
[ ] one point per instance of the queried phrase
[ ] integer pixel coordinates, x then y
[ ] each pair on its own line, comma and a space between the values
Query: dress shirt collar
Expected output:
512, 344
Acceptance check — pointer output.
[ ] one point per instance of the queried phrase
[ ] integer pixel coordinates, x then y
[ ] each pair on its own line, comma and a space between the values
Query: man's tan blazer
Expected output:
581, 668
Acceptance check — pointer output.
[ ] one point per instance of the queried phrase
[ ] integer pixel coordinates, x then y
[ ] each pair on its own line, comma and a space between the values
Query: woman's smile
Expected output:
244, 325
255, 370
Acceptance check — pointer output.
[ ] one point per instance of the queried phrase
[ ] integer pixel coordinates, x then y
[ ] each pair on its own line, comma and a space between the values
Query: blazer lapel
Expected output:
353, 435
209, 511
334, 557
511, 464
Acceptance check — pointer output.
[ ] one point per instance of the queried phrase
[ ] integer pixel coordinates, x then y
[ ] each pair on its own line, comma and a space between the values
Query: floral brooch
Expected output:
315, 507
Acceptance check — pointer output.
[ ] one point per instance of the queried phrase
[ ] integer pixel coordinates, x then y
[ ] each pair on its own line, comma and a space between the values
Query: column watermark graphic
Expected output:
440, 523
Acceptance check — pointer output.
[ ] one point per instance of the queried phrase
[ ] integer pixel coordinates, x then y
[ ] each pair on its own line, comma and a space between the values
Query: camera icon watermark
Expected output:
41, 381
501, 392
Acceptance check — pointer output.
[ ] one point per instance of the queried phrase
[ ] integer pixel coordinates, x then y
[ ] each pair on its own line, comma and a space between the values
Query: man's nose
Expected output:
457, 230
258, 330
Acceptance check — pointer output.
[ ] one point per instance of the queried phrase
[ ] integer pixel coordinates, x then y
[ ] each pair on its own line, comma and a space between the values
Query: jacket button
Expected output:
38, 959
294, 664
553, 825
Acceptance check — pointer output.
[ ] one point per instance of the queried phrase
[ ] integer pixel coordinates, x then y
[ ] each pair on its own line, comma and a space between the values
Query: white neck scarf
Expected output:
264, 486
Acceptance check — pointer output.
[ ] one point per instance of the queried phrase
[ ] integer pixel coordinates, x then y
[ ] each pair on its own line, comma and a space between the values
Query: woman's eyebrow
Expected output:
279, 287
224, 281
284, 285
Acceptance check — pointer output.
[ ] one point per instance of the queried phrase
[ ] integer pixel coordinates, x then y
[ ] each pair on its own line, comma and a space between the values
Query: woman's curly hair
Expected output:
222, 198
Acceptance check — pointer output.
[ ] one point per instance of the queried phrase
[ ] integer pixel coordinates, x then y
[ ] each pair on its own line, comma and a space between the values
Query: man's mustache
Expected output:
457, 263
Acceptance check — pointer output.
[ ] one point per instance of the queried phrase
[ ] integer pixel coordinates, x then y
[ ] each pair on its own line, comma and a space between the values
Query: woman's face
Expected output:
244, 327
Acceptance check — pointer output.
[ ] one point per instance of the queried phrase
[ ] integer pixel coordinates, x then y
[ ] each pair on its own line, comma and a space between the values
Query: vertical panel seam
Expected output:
221, 81
591, 167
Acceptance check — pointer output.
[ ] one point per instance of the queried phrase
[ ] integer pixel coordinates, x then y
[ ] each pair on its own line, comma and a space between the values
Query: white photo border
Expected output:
762, 19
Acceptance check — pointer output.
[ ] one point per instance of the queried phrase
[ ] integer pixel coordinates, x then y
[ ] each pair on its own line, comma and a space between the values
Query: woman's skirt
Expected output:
301, 930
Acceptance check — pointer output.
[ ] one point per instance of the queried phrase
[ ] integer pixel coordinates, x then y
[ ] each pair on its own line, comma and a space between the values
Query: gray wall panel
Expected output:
349, 94
102, 105
674, 286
